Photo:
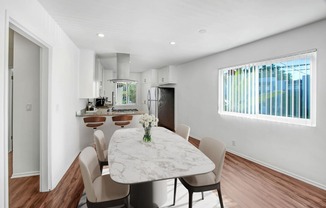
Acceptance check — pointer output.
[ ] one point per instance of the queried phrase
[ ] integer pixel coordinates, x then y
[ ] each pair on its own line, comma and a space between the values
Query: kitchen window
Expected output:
126, 93
281, 89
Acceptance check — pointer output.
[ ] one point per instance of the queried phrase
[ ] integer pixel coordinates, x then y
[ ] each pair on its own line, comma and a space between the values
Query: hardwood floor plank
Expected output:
244, 184
24, 192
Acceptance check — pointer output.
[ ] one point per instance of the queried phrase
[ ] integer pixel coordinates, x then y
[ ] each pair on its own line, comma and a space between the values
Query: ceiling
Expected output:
145, 28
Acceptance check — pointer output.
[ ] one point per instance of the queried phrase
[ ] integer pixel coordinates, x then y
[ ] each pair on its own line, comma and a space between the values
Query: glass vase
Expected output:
147, 136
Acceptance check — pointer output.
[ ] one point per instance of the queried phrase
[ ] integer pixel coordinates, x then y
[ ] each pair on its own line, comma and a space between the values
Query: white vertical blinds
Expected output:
280, 87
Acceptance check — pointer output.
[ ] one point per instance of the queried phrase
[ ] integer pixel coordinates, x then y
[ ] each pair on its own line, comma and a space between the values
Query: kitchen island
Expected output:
108, 127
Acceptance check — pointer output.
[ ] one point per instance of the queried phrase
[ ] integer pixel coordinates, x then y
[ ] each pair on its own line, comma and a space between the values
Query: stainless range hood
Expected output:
123, 68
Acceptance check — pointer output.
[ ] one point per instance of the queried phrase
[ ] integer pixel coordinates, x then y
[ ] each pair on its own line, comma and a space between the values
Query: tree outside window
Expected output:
126, 93
272, 90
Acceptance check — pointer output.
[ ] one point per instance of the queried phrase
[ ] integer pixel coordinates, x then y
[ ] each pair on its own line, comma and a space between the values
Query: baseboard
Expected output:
279, 170
25, 174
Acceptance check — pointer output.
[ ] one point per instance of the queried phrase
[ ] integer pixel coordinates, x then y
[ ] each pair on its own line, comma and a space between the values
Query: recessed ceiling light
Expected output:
101, 35
202, 31
172, 43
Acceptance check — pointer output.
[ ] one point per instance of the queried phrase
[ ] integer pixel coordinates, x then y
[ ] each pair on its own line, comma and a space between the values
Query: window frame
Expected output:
274, 118
116, 94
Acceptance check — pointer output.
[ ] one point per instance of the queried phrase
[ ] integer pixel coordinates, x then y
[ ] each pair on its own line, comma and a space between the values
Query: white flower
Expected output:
148, 120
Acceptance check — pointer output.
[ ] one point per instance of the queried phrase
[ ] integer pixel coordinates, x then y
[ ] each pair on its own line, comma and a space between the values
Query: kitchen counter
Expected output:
103, 112
108, 127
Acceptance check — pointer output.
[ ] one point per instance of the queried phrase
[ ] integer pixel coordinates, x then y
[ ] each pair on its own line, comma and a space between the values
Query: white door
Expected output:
26, 108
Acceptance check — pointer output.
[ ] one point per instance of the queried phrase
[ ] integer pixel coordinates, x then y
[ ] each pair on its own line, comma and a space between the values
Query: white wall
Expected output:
64, 138
296, 150
3, 114
26, 107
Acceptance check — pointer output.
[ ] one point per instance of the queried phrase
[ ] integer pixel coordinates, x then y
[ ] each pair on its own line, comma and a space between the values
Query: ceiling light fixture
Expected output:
101, 35
202, 31
172, 43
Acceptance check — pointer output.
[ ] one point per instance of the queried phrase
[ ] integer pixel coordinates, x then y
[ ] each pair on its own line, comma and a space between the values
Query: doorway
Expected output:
38, 103
25, 106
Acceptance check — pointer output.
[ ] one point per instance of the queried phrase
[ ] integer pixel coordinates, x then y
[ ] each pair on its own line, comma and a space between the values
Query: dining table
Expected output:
145, 166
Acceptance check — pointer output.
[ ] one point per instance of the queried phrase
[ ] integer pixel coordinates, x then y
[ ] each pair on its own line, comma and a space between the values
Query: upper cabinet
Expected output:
88, 86
99, 77
167, 75
149, 77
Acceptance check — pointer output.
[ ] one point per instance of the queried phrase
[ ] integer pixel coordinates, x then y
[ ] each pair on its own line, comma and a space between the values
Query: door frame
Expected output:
45, 102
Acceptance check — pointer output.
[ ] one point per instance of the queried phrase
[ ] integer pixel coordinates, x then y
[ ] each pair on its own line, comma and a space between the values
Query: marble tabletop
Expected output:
132, 161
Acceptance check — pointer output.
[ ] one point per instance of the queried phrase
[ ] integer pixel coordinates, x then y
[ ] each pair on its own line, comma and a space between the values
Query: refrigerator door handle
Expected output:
149, 95
149, 106
149, 101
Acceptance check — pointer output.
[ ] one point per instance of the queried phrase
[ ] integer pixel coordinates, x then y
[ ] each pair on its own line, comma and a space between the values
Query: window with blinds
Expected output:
281, 89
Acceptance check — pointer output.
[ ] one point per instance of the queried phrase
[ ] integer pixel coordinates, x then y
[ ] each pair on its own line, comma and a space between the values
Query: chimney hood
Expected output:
123, 68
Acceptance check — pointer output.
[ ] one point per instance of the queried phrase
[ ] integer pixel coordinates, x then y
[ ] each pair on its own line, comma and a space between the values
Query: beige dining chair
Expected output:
101, 190
101, 148
183, 131
214, 150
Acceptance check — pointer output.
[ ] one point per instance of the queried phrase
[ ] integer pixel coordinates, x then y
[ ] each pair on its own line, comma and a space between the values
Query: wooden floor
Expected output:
244, 184
24, 192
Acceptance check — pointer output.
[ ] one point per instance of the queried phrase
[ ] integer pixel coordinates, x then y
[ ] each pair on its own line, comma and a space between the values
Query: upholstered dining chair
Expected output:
183, 131
101, 148
214, 150
101, 190
94, 121
122, 120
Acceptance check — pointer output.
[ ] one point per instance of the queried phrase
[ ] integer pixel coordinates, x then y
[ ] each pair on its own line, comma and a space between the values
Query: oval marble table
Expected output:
145, 165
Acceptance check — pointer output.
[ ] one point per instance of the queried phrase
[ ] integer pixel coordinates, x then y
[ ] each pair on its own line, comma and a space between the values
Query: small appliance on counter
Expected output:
90, 107
99, 102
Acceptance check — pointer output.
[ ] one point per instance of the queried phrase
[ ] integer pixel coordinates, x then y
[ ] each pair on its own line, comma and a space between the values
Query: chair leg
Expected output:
127, 202
220, 197
190, 199
175, 191
101, 166
202, 195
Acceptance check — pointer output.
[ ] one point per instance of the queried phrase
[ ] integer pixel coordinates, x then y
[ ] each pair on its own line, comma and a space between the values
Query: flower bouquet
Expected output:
148, 121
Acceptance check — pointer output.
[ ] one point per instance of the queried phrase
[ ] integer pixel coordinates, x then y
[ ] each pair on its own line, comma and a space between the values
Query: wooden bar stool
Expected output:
94, 121
122, 120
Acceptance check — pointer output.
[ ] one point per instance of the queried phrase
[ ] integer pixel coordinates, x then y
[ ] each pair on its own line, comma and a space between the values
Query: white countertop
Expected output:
167, 156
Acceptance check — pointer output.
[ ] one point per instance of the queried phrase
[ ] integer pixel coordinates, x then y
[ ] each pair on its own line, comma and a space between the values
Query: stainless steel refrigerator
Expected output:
160, 102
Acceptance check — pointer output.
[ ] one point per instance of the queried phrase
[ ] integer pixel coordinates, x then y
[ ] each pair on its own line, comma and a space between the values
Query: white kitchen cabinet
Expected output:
149, 77
99, 77
144, 91
88, 87
167, 75
148, 80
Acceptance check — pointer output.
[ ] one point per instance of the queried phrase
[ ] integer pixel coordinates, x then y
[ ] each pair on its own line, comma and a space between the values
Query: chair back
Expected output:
90, 170
215, 151
122, 120
183, 130
100, 144
94, 121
